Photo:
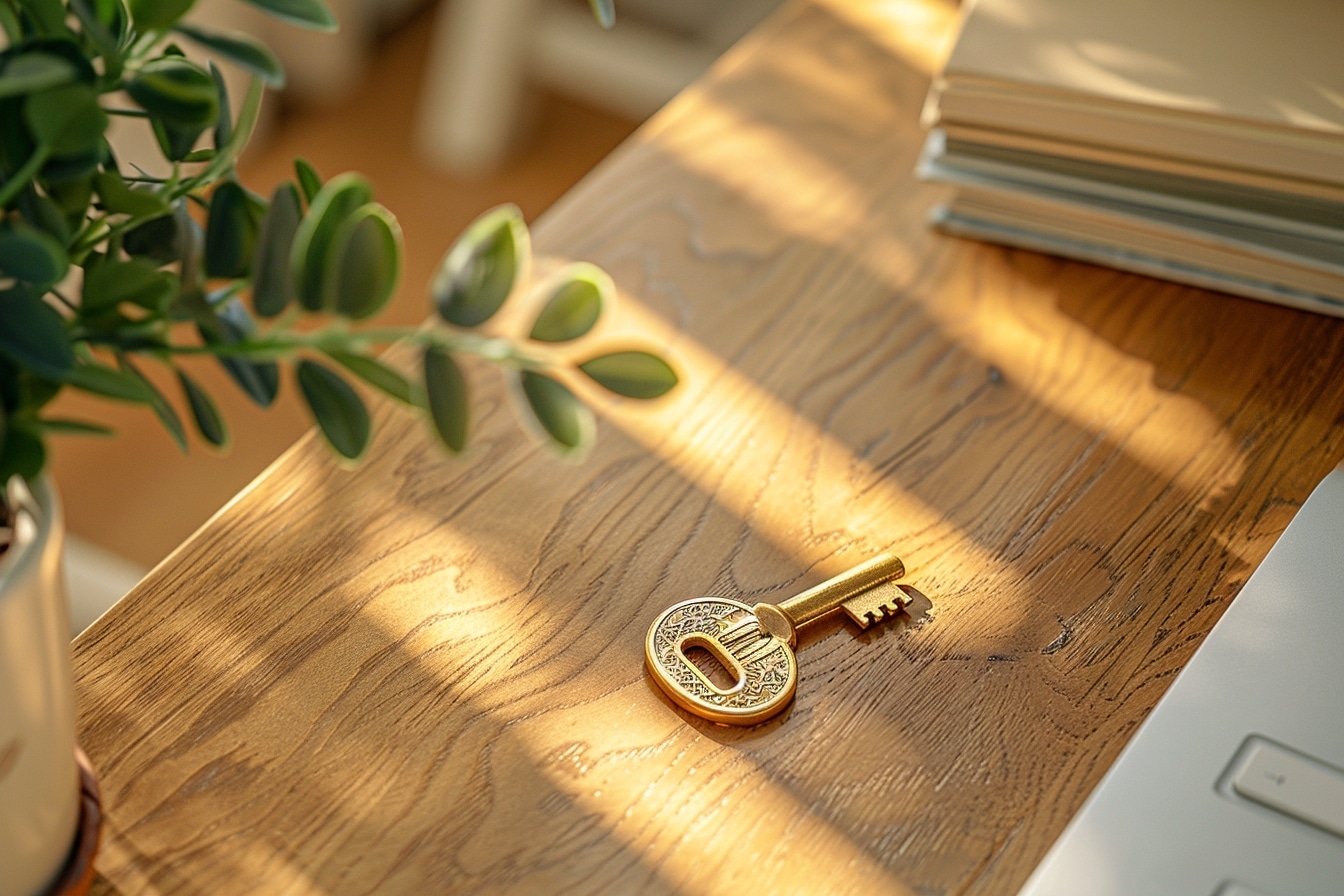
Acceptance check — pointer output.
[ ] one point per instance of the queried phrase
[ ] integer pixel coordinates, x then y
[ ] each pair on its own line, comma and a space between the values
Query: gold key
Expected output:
755, 644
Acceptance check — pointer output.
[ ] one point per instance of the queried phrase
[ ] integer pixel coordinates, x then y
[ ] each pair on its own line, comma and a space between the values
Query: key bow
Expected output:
754, 645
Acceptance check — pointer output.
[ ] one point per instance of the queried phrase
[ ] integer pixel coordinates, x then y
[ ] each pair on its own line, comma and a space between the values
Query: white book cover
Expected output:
1155, 262
1262, 217
1246, 83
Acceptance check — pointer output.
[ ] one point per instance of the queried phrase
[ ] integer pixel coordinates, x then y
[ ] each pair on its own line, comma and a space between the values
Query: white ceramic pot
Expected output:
39, 780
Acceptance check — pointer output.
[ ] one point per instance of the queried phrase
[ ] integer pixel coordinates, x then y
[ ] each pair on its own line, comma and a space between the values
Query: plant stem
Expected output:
20, 178
63, 300
95, 231
278, 345
93, 235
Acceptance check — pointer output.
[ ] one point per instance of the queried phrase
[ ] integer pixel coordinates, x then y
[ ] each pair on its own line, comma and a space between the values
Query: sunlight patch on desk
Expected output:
919, 33
813, 198
1024, 334
797, 168
786, 478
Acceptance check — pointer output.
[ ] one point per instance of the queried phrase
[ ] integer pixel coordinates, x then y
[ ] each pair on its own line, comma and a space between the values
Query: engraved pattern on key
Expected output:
755, 644
766, 670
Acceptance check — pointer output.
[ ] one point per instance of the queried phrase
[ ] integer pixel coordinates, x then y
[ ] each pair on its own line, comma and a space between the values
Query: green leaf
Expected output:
365, 263
166, 413
17, 149
32, 256
177, 91
305, 13
99, 30
273, 282
61, 426
136, 280
90, 376
478, 272
45, 215
190, 247
309, 179
575, 305
66, 119
633, 374
230, 232
229, 325
40, 393
33, 334
48, 16
224, 121
605, 10
75, 169
315, 238
565, 419
72, 197
111, 14
259, 380
446, 391
158, 14
177, 141
336, 407
157, 239
240, 49
376, 374
23, 454
120, 198
114, 16
35, 71
226, 155
209, 422
9, 24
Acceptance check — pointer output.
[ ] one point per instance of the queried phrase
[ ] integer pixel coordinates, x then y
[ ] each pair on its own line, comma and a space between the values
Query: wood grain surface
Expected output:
427, 675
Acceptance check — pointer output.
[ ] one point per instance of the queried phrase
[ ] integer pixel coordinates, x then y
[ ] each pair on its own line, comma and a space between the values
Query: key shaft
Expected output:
785, 618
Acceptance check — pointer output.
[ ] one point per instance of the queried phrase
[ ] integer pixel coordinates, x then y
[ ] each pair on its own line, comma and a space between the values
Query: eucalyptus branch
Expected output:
290, 279
280, 346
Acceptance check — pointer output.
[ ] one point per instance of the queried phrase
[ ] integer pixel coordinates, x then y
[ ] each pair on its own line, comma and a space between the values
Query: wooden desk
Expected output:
427, 675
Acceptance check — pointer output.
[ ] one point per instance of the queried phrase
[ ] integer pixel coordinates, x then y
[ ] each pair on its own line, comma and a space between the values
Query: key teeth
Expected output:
872, 615
888, 610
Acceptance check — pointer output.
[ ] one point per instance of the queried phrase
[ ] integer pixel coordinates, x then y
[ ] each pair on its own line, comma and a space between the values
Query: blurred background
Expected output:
450, 108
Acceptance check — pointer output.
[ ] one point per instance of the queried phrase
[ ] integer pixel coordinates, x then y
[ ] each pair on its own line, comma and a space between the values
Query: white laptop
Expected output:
1234, 785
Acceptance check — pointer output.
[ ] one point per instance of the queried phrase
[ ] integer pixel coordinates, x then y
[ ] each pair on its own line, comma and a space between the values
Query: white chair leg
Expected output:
474, 82
632, 70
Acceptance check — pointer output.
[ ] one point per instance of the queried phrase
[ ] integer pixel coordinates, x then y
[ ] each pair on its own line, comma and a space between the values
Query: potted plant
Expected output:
106, 270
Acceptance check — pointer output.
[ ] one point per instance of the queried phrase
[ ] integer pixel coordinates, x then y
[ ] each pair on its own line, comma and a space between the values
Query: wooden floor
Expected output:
136, 494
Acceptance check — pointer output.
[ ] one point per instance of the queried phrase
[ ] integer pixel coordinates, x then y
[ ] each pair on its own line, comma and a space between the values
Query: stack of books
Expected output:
1197, 140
